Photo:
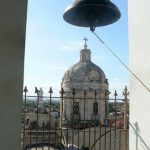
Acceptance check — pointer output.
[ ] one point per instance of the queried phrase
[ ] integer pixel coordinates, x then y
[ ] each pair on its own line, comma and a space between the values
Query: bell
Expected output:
91, 13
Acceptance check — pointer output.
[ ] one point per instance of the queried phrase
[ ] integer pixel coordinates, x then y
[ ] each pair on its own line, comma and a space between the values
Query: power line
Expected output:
117, 57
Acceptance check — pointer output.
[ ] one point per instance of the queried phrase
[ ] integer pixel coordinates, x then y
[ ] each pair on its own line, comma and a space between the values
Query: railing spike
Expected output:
25, 89
62, 91
50, 90
126, 92
115, 94
36, 90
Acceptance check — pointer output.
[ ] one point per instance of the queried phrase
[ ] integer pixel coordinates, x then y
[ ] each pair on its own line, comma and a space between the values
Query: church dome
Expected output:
85, 75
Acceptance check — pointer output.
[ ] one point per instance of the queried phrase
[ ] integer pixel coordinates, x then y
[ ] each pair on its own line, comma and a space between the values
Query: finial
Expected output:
85, 45
126, 92
36, 90
25, 89
115, 94
50, 91
62, 92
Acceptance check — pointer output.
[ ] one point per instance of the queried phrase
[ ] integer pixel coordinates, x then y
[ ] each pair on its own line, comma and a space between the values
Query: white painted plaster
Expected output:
12, 44
139, 47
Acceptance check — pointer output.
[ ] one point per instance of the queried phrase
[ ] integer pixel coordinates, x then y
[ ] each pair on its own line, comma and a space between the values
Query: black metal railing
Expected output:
45, 125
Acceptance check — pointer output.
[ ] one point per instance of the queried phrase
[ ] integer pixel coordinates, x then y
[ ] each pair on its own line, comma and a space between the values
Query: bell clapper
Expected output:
92, 28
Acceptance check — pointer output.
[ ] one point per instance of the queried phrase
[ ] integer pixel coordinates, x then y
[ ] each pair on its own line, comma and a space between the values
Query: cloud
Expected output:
72, 46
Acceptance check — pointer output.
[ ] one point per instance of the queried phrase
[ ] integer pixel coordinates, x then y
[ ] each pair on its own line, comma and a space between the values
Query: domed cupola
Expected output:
84, 75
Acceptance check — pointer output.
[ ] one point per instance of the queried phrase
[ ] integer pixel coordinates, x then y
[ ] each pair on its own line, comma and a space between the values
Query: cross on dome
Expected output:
85, 45
85, 54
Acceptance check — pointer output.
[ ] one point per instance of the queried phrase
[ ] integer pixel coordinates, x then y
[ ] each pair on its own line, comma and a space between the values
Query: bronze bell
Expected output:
91, 13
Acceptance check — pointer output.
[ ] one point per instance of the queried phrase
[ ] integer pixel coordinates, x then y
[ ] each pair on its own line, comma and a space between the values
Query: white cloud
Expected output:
72, 46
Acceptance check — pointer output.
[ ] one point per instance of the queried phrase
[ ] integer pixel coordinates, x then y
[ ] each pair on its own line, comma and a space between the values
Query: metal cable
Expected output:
117, 57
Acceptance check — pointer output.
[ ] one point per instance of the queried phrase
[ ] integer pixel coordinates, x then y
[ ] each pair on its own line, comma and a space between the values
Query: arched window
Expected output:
95, 108
76, 108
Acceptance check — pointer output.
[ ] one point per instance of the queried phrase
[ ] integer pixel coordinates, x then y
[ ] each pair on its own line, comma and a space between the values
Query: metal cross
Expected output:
85, 45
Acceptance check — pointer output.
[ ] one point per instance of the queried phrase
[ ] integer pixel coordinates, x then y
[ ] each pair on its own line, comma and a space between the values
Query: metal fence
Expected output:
44, 126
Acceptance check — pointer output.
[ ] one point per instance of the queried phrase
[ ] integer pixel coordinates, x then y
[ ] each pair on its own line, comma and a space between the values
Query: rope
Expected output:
117, 57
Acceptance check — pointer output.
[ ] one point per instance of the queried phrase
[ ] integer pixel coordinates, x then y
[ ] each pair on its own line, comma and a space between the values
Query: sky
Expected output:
52, 46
